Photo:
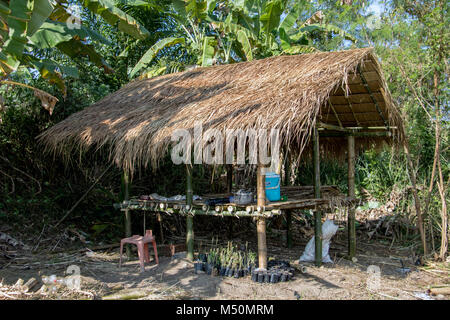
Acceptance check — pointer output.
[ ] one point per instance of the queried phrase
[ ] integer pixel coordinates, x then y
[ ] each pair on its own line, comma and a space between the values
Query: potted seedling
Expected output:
216, 264
222, 262
251, 259
255, 275
198, 266
210, 263
261, 276
267, 277
242, 268
230, 266
236, 265
274, 277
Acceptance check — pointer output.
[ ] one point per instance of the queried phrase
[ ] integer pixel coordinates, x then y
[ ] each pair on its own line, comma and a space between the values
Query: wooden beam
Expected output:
326, 134
333, 127
335, 114
351, 109
261, 222
189, 219
317, 213
351, 221
372, 97
369, 128
323, 125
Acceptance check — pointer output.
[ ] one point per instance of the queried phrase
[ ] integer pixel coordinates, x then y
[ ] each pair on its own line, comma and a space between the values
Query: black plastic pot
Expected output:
254, 276
283, 277
274, 277
197, 267
260, 277
209, 269
222, 271
237, 273
227, 271
202, 257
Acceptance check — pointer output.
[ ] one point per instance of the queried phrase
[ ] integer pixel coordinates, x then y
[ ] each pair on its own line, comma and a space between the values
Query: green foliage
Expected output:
219, 32
153, 51
151, 38
28, 27
108, 10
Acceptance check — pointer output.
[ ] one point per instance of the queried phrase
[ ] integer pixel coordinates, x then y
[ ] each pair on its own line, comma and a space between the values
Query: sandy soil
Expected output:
174, 278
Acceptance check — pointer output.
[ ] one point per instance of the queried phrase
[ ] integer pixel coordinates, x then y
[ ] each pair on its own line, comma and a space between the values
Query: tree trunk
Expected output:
317, 213
412, 177
444, 217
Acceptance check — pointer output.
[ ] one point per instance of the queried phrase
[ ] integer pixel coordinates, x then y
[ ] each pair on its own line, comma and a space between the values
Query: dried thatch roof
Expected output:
290, 93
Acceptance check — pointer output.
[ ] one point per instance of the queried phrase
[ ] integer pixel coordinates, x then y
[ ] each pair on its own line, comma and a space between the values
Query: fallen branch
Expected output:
441, 290
127, 294
24, 173
83, 196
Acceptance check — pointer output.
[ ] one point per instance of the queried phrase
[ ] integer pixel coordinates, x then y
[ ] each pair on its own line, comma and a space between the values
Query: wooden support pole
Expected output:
159, 218
351, 193
229, 178
287, 169
287, 181
261, 222
229, 189
288, 229
125, 197
317, 213
189, 219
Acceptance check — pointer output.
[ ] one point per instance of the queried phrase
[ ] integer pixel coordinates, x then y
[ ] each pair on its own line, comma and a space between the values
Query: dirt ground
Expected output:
174, 278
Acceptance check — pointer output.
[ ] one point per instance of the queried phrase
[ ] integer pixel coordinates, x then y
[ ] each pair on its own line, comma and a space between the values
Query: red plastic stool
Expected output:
142, 245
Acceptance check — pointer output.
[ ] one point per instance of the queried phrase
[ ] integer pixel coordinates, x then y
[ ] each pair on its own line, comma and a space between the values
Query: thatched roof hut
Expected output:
341, 90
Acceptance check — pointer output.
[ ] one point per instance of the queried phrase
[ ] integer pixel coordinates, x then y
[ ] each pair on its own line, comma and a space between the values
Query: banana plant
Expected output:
29, 26
273, 27
227, 31
193, 34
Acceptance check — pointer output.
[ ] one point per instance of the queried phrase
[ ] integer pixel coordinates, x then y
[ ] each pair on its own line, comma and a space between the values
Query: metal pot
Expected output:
243, 197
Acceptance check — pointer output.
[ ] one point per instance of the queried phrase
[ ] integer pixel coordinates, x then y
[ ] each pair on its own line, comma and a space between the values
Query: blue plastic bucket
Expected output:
273, 186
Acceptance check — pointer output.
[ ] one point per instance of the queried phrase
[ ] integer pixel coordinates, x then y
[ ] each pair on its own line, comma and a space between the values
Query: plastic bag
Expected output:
329, 229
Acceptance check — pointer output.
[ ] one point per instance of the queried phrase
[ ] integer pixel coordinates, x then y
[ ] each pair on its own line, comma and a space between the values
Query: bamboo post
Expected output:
351, 193
189, 218
125, 197
229, 177
159, 218
261, 222
287, 169
229, 189
286, 182
289, 229
317, 213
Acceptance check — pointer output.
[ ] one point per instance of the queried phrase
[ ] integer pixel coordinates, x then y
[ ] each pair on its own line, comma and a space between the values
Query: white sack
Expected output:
329, 229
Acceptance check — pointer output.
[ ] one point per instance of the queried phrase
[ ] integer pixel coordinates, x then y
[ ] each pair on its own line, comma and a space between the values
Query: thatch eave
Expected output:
289, 93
